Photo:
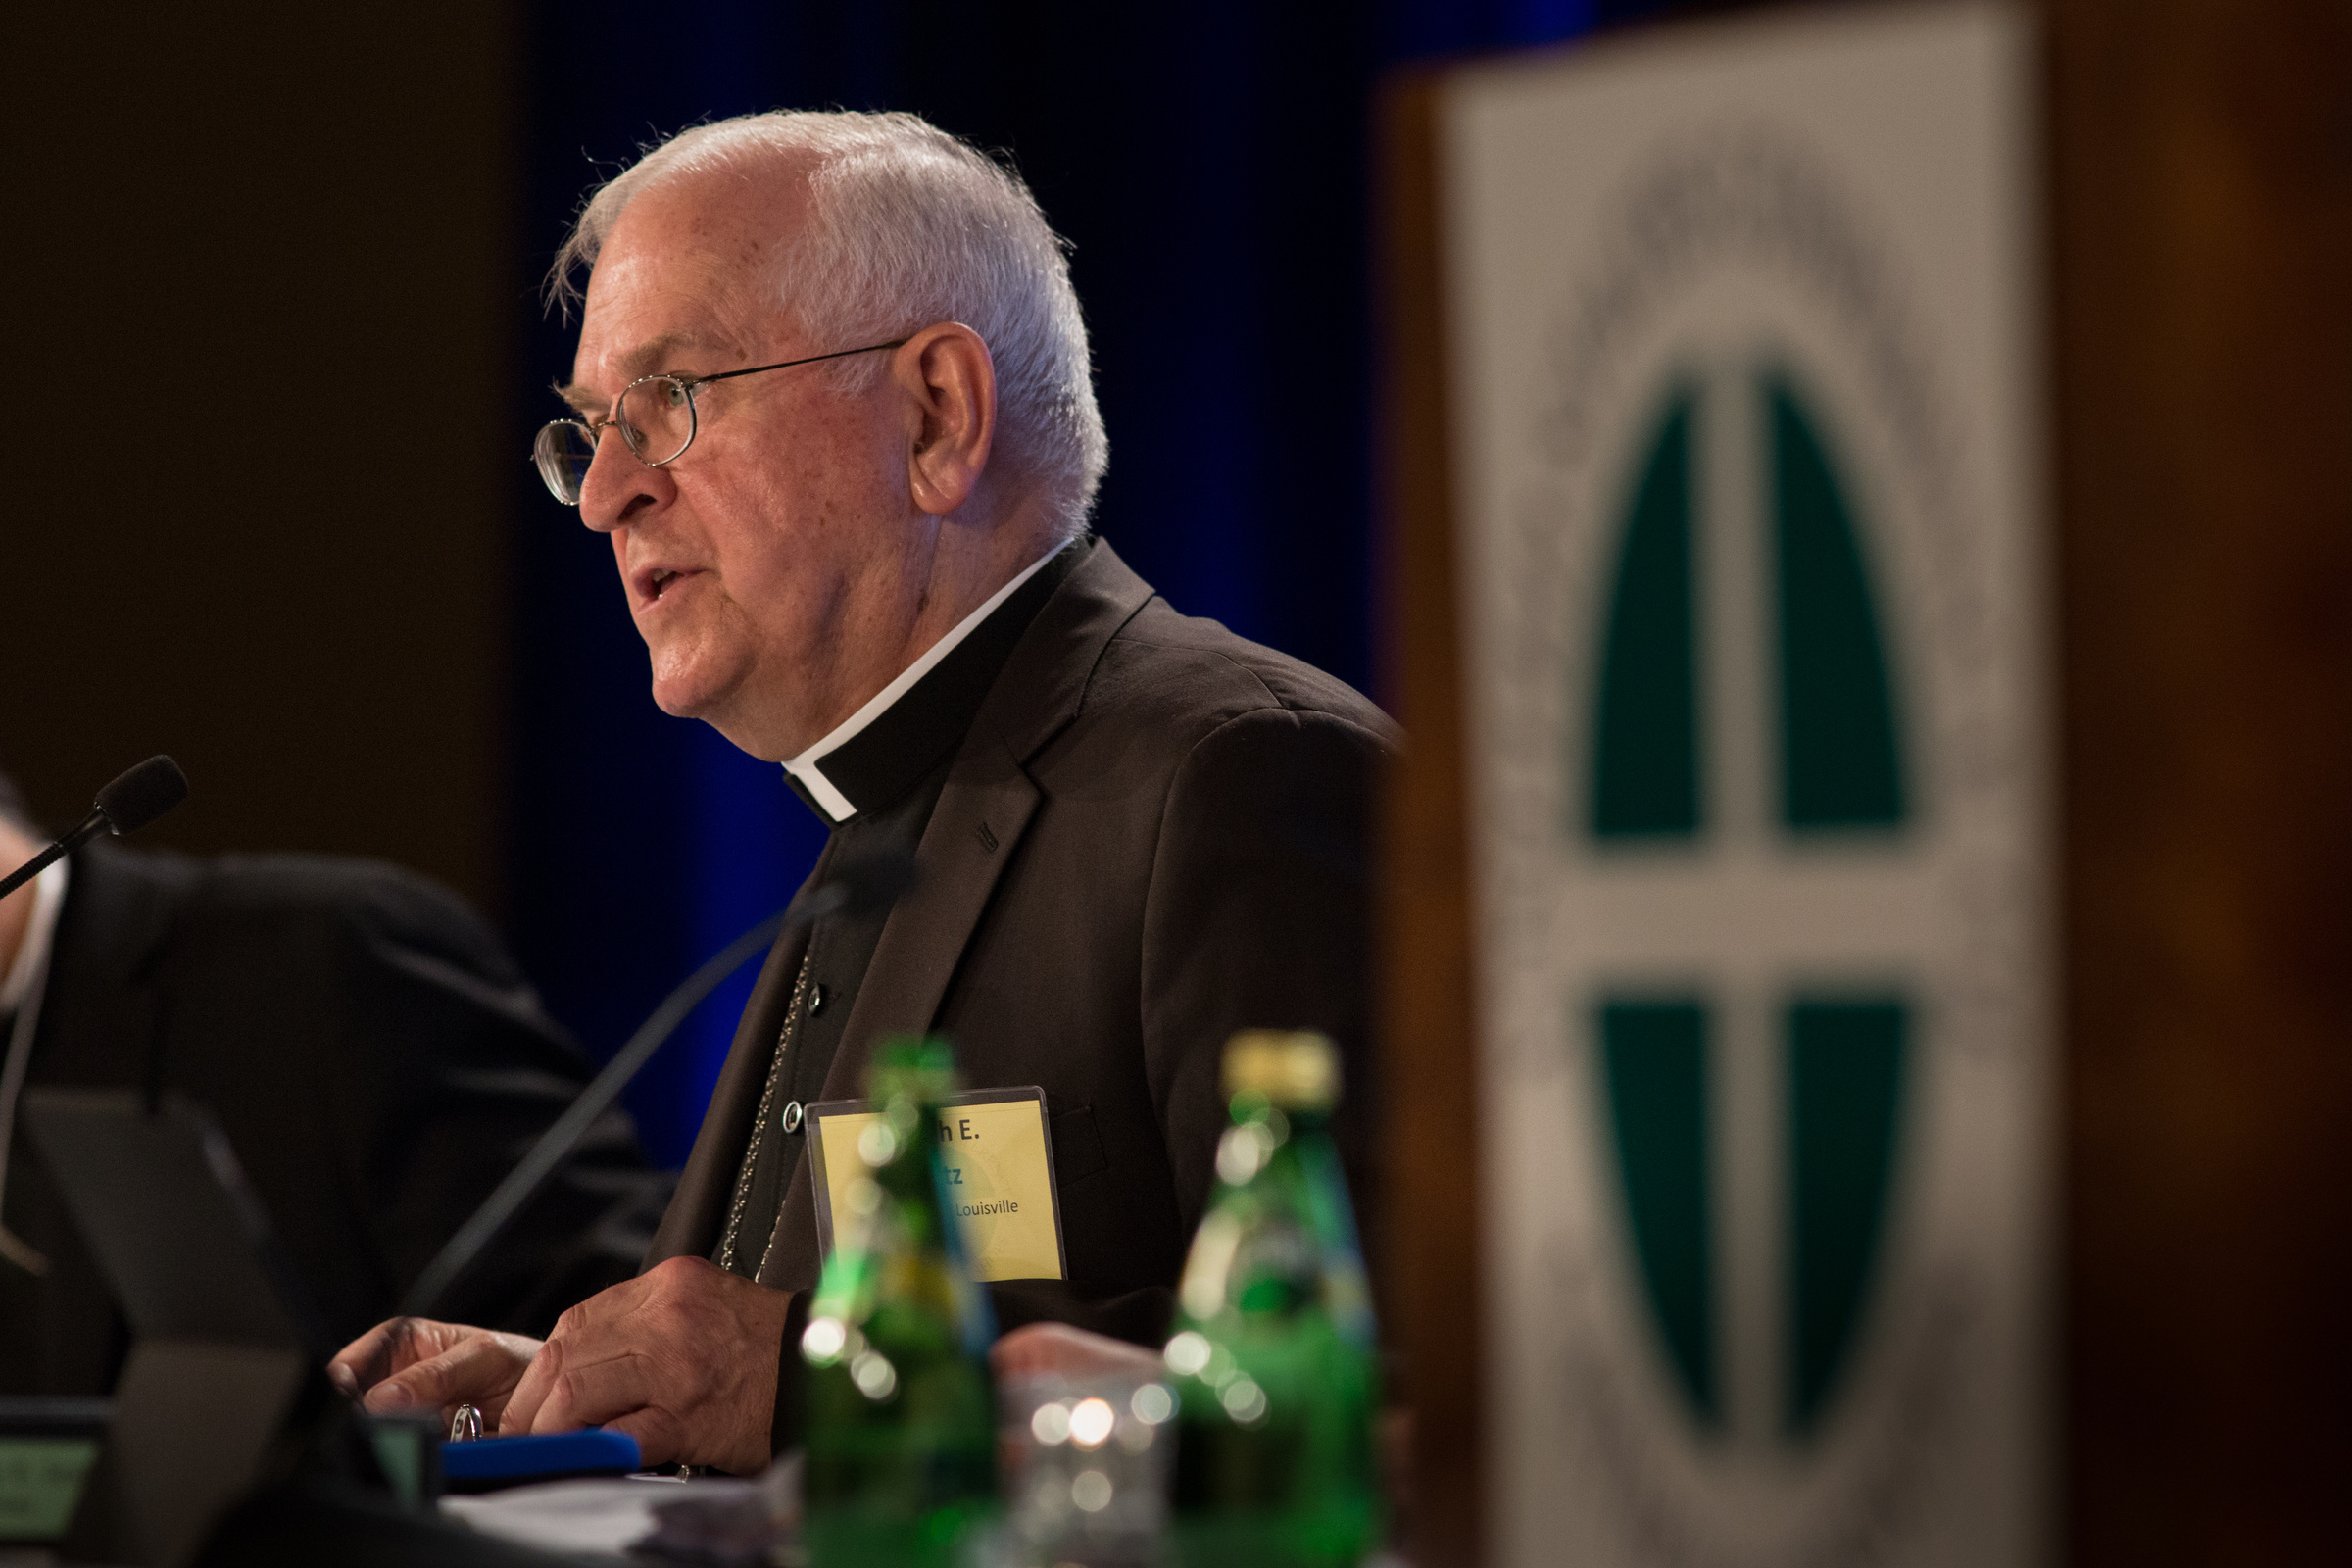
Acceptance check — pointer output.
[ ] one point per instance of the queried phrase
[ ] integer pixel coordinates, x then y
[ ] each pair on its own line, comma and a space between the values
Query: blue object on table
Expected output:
490, 1462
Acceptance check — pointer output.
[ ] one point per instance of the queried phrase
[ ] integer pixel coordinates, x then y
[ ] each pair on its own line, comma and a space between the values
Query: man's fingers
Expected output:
588, 1322
683, 1358
366, 1360
531, 1391
482, 1369
394, 1345
582, 1393
659, 1439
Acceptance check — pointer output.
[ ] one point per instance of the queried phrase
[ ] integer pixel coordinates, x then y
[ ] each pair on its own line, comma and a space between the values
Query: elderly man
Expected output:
835, 413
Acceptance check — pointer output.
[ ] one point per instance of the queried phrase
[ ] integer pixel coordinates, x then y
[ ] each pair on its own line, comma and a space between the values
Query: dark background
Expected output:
278, 278
259, 367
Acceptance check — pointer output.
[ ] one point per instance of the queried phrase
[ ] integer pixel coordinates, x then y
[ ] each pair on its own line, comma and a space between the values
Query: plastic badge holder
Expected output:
489, 1463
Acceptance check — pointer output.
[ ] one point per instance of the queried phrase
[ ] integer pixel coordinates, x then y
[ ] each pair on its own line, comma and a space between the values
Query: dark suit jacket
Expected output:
1154, 835
376, 1060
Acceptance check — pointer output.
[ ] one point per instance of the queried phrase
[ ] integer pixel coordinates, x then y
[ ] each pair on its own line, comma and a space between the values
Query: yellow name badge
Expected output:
998, 1164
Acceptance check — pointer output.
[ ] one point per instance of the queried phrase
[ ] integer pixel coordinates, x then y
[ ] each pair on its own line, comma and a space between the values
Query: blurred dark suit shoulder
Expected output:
377, 1062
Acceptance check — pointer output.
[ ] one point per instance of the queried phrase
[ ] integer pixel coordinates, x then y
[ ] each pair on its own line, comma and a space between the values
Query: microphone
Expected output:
125, 806
862, 886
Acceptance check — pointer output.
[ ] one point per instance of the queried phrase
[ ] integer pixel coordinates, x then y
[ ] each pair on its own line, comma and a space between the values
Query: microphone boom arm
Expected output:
127, 804
524, 1182
869, 883
88, 829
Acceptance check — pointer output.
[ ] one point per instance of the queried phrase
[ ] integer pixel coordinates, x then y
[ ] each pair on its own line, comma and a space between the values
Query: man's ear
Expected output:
950, 382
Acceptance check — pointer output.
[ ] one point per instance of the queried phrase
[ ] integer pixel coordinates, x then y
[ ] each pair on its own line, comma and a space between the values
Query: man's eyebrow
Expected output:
649, 358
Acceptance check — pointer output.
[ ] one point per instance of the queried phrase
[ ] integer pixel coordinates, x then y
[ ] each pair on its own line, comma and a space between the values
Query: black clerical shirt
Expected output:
890, 773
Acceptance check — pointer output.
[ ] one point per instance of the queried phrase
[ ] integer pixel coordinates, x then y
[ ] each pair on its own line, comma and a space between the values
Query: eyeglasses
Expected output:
653, 413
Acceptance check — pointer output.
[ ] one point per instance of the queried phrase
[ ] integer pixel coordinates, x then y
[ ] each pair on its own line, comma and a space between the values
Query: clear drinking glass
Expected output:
1086, 1463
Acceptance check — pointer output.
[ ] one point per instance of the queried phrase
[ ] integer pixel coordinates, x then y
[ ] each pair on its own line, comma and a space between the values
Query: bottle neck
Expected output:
906, 1177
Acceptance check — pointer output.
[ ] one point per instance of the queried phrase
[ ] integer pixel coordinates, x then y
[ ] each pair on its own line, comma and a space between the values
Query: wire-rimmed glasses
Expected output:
653, 413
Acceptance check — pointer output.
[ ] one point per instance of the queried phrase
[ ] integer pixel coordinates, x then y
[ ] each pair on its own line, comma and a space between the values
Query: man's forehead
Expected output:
686, 272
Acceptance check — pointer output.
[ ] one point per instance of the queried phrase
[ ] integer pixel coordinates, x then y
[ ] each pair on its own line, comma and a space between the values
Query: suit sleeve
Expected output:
1260, 916
450, 1070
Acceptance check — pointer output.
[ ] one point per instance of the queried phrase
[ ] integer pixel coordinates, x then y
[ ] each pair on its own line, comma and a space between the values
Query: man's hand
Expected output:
1057, 1349
412, 1364
683, 1358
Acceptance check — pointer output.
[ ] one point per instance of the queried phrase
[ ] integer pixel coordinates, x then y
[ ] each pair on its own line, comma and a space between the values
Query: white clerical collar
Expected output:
809, 766
32, 954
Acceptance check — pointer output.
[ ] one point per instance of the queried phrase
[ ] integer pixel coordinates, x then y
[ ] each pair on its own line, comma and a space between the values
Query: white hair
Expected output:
908, 226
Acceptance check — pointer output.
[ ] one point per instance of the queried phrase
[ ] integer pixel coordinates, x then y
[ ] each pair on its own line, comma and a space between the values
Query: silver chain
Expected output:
767, 1103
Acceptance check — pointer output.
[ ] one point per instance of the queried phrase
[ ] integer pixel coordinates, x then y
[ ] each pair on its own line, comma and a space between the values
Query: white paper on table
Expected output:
592, 1515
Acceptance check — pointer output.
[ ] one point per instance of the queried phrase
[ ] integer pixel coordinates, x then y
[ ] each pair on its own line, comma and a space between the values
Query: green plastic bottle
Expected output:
900, 1410
1274, 1354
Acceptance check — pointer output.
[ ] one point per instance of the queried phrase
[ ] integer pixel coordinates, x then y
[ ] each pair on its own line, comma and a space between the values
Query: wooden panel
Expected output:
265, 287
1430, 1065
2202, 206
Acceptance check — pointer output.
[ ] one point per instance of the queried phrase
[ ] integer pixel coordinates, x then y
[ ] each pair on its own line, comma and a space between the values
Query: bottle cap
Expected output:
1296, 1069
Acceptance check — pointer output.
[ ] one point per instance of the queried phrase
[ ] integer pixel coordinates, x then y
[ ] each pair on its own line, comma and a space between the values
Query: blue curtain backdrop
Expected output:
1209, 164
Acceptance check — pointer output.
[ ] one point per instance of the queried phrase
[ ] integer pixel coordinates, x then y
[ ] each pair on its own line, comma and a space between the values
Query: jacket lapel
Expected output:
984, 809
982, 812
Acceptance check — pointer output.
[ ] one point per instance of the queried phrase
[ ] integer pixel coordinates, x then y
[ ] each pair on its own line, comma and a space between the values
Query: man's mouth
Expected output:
653, 584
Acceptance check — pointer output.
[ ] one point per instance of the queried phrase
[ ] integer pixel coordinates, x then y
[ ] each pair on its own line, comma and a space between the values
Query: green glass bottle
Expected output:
900, 1410
1274, 1354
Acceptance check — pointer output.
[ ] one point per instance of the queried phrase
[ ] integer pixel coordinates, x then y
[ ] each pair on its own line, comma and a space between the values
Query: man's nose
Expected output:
618, 490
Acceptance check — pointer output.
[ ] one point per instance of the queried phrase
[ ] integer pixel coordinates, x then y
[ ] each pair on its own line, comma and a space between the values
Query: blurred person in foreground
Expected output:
833, 408
373, 1054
